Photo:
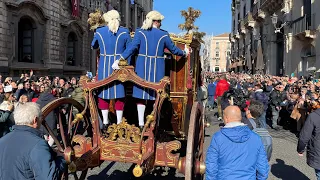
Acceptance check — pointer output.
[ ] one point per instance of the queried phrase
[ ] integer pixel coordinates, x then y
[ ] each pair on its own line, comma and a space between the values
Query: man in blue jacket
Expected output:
211, 92
236, 152
24, 154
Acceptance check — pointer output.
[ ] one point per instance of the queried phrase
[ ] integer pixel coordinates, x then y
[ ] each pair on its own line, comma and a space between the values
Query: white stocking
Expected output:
141, 108
105, 116
119, 116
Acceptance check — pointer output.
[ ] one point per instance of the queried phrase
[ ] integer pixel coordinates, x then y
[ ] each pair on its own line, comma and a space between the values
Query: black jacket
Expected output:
24, 154
4, 122
310, 137
44, 99
276, 97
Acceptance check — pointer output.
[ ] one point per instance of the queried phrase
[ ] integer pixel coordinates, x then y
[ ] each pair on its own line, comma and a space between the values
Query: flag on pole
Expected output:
75, 8
132, 1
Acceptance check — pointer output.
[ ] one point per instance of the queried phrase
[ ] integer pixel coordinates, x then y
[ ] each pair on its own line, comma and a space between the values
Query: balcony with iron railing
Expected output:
271, 6
242, 29
236, 34
249, 21
257, 12
231, 37
304, 27
233, 7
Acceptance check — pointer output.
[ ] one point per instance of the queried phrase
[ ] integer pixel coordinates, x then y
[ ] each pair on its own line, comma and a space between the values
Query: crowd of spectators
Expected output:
287, 100
32, 88
264, 102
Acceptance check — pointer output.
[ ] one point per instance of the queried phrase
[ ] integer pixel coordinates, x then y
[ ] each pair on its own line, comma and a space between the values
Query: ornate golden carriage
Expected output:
173, 139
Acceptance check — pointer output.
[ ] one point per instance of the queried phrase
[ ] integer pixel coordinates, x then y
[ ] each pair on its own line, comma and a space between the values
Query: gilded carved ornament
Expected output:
123, 133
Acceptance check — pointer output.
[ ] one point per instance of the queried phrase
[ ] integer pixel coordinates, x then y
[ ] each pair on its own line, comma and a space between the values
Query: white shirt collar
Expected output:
233, 124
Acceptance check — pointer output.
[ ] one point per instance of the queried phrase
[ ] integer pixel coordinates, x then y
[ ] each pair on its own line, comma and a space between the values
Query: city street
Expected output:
285, 163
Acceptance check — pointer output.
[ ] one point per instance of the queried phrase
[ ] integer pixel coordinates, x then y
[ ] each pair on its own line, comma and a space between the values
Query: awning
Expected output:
248, 58
259, 63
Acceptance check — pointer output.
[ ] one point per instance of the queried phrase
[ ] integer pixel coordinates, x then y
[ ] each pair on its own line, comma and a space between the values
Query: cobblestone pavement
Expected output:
285, 163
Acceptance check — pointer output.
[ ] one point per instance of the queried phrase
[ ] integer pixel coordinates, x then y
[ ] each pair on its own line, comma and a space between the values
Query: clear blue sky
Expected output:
215, 18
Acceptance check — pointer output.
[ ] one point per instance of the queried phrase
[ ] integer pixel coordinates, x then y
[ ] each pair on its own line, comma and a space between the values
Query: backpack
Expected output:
266, 140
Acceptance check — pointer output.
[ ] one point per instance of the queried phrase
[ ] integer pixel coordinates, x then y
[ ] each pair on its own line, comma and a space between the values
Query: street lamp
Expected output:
274, 19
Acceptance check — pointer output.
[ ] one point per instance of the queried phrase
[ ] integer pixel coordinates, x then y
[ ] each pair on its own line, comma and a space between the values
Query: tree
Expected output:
190, 17
199, 36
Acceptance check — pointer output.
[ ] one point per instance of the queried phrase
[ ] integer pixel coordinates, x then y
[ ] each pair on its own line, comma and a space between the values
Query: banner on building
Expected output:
132, 1
75, 8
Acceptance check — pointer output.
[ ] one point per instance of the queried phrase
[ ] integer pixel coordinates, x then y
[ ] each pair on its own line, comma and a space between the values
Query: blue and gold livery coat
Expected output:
111, 46
150, 63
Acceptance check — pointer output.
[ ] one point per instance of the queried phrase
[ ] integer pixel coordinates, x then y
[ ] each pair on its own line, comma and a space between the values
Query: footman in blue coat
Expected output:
112, 41
151, 42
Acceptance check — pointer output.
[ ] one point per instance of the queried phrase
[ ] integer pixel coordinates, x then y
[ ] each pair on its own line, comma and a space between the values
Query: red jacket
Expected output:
222, 87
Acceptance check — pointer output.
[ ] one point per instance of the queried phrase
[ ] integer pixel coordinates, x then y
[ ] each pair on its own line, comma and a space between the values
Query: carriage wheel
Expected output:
194, 165
68, 130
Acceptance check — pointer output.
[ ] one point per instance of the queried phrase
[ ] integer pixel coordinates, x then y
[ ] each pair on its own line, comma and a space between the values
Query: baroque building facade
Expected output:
44, 36
220, 52
276, 37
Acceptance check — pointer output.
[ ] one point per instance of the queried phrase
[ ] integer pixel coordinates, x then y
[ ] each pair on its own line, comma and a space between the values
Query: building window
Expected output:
98, 5
217, 54
71, 49
217, 60
228, 53
25, 40
216, 69
217, 45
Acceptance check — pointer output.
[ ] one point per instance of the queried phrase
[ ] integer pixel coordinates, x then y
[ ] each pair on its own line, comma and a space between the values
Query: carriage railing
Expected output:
127, 74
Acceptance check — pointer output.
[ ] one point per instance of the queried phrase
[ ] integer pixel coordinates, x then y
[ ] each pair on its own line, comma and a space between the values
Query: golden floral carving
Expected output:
123, 133
170, 159
122, 77
120, 152
81, 140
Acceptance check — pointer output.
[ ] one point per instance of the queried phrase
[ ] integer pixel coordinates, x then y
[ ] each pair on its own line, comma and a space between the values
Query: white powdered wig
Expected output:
24, 114
112, 19
151, 16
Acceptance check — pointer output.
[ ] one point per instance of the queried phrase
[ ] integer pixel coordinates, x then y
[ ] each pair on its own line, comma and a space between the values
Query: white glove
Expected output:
115, 65
186, 50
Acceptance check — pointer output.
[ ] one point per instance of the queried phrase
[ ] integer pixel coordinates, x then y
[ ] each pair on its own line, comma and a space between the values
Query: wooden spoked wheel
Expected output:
63, 110
195, 140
